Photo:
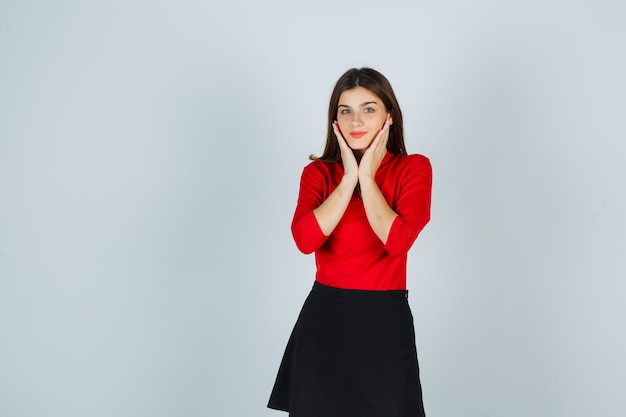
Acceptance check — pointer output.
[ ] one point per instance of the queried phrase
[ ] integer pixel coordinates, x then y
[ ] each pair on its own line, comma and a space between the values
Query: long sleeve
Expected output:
314, 189
412, 206
353, 256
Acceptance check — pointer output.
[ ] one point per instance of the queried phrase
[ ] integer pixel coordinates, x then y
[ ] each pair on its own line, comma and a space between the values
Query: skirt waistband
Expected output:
360, 294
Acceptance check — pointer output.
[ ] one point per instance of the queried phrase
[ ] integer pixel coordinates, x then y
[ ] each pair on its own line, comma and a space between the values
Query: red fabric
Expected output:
353, 257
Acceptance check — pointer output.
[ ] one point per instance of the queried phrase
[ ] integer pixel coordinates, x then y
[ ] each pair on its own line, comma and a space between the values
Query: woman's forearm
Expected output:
379, 215
331, 211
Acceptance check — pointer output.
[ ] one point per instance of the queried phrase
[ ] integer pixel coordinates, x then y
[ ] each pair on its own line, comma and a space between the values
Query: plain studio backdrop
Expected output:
150, 156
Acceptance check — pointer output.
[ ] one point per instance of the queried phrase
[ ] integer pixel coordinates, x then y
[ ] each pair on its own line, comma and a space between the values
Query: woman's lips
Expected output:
357, 134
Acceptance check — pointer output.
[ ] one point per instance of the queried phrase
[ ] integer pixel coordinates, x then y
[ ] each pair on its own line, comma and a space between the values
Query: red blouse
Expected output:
353, 257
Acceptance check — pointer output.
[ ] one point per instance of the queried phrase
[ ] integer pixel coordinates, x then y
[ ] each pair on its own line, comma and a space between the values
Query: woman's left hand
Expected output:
374, 155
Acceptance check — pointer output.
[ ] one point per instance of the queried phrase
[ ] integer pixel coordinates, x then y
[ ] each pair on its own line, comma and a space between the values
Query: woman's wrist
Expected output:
350, 180
366, 180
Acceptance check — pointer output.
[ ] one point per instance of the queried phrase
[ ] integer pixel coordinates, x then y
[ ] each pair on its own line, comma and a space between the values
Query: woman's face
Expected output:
361, 115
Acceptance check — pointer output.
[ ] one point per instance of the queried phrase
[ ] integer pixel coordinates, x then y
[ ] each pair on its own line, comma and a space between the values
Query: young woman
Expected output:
360, 208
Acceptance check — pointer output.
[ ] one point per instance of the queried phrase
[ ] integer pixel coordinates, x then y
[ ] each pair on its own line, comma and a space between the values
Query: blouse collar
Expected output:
386, 158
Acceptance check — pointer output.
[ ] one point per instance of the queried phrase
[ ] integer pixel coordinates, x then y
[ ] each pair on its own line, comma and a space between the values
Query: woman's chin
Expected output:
359, 146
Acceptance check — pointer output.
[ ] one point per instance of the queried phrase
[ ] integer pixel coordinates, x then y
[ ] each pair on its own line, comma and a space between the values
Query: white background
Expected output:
150, 155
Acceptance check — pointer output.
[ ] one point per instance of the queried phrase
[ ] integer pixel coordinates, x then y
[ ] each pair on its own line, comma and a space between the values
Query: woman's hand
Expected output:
379, 215
350, 165
374, 155
332, 209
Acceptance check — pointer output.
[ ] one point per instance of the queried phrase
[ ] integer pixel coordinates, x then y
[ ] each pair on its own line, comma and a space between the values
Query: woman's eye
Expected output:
369, 110
344, 111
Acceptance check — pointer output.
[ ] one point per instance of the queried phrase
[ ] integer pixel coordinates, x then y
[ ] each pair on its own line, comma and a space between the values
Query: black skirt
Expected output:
351, 354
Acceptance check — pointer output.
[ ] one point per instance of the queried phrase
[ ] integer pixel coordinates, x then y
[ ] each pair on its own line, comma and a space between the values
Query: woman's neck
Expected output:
358, 155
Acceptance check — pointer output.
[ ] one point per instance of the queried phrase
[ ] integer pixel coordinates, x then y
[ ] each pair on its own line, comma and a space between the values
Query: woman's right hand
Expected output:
350, 165
332, 209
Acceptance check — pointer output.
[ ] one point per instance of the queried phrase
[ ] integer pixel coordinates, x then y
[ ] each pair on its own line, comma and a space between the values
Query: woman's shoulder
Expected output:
317, 167
321, 165
412, 161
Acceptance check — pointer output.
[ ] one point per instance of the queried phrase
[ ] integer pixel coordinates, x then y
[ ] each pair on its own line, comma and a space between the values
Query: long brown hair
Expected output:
375, 82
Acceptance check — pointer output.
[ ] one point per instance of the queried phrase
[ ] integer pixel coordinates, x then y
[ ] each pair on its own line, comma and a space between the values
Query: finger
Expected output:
381, 139
338, 134
385, 134
346, 152
340, 140
336, 129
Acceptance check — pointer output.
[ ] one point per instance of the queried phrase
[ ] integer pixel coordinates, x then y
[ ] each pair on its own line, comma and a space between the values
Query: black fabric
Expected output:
350, 354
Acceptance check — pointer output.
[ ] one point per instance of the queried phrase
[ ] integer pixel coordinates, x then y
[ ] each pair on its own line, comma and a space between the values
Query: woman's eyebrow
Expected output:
367, 103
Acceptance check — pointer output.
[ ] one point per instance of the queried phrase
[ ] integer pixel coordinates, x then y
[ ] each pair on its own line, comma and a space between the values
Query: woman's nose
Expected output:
356, 120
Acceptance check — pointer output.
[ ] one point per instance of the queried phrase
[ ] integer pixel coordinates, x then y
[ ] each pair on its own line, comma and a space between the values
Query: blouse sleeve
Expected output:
305, 229
412, 206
